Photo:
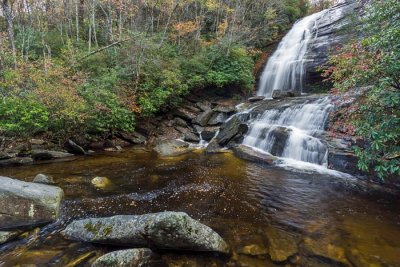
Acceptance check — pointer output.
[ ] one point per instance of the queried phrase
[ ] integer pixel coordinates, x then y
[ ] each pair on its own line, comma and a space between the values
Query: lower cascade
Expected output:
292, 132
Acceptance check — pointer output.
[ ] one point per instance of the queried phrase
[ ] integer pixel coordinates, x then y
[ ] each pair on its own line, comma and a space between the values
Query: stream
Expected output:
331, 220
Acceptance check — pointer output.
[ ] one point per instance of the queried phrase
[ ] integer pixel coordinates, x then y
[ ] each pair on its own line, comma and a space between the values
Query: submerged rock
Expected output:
43, 179
172, 148
326, 250
101, 182
247, 153
137, 257
254, 250
281, 244
27, 204
164, 230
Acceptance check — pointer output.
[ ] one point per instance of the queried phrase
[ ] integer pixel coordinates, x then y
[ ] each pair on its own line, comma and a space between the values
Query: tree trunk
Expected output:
10, 28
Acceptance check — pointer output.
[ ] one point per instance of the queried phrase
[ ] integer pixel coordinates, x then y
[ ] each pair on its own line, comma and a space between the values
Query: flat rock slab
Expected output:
164, 230
49, 154
27, 204
247, 153
137, 257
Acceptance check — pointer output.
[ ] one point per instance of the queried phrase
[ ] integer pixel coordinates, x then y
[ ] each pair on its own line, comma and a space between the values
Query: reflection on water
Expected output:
322, 220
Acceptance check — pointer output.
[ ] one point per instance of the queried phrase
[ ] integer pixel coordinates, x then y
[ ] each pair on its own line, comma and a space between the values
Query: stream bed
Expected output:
259, 210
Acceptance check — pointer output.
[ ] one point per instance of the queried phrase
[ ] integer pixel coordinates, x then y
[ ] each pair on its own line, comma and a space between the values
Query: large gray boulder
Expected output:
203, 118
27, 204
232, 129
164, 230
247, 153
172, 148
137, 257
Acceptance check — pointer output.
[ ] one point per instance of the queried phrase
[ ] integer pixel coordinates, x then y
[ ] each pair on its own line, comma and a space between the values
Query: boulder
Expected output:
137, 257
343, 161
281, 135
180, 122
27, 204
38, 142
204, 106
225, 109
255, 98
203, 118
233, 128
217, 119
277, 94
43, 179
184, 114
209, 133
164, 230
6, 236
49, 154
326, 249
19, 161
101, 182
213, 147
172, 148
74, 148
133, 138
247, 153
4, 155
191, 137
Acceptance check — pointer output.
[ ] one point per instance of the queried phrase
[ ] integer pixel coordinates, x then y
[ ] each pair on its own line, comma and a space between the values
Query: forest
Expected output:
93, 66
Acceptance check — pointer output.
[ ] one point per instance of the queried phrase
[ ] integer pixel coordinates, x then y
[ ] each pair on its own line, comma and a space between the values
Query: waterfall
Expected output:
291, 132
285, 68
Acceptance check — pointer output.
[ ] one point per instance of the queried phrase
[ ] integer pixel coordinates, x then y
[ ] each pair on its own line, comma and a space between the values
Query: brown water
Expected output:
328, 221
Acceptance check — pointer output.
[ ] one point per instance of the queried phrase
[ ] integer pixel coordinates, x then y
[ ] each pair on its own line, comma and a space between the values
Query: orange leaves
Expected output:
186, 27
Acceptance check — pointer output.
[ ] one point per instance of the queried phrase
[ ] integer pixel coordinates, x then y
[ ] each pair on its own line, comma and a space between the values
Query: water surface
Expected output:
331, 220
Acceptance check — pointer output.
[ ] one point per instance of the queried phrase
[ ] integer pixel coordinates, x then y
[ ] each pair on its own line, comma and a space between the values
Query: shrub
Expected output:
23, 116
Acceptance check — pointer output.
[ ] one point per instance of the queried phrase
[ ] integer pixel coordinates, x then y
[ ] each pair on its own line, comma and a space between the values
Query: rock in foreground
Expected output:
138, 257
27, 204
164, 230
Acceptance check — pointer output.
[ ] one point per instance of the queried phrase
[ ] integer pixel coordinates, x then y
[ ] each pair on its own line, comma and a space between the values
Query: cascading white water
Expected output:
292, 132
285, 68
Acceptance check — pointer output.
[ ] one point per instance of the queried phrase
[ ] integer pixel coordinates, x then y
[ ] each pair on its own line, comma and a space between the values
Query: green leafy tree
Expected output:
375, 61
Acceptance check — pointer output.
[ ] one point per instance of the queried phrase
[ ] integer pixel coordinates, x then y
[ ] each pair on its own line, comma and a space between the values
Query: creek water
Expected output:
328, 218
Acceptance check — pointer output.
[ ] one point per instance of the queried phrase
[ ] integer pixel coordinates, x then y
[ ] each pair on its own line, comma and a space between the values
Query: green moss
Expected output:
93, 228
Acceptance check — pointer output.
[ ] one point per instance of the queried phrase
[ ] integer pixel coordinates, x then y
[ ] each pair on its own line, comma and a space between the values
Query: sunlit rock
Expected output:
101, 182
164, 230
27, 204
6, 236
247, 153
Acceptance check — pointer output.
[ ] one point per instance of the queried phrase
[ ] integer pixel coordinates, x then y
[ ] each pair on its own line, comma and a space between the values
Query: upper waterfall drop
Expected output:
285, 68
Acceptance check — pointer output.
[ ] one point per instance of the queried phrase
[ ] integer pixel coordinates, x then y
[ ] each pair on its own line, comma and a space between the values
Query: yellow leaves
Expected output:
212, 4
184, 28
222, 27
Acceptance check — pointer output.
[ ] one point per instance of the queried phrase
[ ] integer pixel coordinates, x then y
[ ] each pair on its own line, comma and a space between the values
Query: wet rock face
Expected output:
232, 129
164, 230
138, 257
27, 204
332, 31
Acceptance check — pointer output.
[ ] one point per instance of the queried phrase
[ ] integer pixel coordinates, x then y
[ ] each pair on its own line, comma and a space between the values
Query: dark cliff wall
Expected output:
334, 30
